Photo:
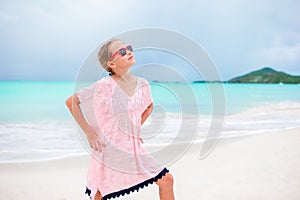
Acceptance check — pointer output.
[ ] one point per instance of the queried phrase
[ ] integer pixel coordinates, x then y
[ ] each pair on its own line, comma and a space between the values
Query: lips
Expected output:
130, 58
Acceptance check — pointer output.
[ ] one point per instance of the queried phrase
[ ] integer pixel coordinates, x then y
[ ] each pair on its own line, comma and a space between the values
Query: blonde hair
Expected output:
105, 54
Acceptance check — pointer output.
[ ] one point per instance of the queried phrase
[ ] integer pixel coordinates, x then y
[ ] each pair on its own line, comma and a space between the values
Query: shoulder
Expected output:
104, 81
142, 80
105, 85
143, 84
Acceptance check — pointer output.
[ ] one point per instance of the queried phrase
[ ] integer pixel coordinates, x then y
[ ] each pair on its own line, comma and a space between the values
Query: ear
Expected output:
111, 65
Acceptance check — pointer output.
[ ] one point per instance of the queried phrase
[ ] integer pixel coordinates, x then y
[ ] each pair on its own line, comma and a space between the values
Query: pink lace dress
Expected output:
124, 165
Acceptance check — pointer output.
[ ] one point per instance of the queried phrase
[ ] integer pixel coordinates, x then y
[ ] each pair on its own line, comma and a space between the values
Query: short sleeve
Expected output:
147, 96
86, 98
86, 94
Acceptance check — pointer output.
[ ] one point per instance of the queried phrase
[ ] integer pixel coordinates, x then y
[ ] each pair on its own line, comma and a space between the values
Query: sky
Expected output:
50, 40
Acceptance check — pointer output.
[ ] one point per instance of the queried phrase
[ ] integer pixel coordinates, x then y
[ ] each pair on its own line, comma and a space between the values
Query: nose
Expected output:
129, 52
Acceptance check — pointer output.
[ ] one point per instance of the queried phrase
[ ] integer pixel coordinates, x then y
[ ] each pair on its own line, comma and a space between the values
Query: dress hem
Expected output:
133, 188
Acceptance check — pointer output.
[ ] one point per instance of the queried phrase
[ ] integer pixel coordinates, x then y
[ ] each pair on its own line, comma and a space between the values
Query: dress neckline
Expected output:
134, 91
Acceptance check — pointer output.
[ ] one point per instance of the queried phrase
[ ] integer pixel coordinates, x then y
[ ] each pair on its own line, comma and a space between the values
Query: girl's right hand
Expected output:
95, 142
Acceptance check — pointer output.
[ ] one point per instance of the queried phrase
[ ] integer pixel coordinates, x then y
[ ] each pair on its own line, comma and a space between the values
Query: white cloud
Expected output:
283, 49
236, 33
282, 54
7, 18
62, 28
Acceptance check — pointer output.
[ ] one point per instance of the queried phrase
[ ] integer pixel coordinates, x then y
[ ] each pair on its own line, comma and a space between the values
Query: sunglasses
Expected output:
121, 52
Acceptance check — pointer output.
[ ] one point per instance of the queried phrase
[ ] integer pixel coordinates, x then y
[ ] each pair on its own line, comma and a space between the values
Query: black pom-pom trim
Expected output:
133, 188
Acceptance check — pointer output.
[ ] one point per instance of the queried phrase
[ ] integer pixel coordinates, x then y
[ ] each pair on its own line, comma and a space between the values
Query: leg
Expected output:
166, 187
98, 196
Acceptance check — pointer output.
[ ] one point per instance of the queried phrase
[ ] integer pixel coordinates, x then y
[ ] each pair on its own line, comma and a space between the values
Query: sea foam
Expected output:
21, 142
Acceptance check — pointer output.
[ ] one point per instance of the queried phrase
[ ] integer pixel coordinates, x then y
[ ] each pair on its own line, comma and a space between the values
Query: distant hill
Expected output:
266, 75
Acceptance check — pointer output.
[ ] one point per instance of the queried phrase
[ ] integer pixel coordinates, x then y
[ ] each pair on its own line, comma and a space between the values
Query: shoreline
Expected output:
153, 147
261, 166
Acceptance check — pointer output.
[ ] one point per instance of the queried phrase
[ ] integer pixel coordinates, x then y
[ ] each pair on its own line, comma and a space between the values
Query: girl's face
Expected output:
123, 61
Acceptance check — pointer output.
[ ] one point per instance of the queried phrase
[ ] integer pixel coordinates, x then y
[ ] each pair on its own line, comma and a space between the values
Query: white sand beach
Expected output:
265, 166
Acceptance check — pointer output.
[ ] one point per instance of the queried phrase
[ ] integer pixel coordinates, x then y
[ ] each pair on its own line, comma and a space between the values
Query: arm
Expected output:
73, 105
147, 113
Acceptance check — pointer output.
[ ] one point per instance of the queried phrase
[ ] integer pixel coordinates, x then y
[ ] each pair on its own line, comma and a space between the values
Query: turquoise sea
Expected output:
36, 125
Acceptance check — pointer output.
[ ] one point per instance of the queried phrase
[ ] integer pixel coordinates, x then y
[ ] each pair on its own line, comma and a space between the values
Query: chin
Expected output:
132, 62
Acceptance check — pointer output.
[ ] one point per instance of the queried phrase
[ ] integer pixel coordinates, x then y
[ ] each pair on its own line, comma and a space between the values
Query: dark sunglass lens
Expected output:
129, 47
122, 51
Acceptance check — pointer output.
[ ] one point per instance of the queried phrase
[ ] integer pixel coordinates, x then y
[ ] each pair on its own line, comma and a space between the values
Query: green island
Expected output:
266, 75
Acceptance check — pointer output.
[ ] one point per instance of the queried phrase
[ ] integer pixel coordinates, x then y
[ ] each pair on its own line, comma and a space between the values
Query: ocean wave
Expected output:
37, 155
22, 142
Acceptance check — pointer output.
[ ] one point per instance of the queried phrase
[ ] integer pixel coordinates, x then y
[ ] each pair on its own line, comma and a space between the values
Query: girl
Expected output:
110, 112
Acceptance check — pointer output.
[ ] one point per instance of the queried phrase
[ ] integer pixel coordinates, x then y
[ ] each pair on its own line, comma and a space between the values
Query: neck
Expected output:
124, 75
